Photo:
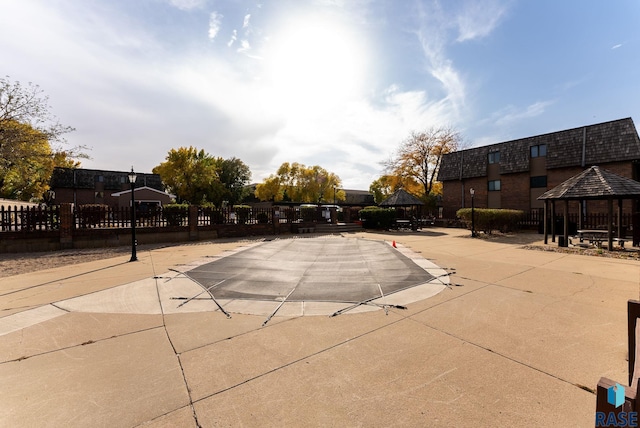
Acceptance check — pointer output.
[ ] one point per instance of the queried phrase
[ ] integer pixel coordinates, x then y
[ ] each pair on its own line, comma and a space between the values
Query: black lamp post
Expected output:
334, 195
473, 216
132, 181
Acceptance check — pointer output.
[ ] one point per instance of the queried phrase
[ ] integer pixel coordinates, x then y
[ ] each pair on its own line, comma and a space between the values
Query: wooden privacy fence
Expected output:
14, 218
43, 218
534, 219
47, 218
599, 220
48, 228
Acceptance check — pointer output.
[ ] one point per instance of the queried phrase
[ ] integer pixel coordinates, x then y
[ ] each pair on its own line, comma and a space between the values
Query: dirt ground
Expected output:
15, 264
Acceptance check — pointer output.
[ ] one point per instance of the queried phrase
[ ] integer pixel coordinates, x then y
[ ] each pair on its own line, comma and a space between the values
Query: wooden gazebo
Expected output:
401, 198
591, 184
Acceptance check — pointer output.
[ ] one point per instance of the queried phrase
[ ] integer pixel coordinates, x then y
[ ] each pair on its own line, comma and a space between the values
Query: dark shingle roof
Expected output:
358, 197
594, 183
80, 178
604, 142
401, 198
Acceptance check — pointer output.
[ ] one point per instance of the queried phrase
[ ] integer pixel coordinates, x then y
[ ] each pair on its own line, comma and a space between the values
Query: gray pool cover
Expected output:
327, 269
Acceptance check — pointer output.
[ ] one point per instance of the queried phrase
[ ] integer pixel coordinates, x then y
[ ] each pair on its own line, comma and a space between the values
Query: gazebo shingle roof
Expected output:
401, 198
594, 183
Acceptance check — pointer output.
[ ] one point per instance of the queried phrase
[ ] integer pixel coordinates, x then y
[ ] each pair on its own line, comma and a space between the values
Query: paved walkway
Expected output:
517, 338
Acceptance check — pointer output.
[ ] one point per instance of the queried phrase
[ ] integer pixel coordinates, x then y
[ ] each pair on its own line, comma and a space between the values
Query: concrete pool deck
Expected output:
515, 339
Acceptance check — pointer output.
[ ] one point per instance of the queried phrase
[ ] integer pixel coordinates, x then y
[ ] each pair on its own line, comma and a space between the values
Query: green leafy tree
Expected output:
26, 164
270, 190
196, 177
31, 142
190, 174
234, 175
299, 183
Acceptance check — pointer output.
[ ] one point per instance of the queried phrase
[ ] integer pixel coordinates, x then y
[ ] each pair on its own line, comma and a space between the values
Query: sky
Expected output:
335, 83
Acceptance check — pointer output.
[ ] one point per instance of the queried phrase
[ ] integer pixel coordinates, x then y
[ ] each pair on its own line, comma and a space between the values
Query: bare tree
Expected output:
419, 156
31, 141
28, 105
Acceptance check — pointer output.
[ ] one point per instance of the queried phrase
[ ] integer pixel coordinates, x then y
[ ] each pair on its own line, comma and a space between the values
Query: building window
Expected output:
494, 185
539, 151
540, 181
99, 179
494, 157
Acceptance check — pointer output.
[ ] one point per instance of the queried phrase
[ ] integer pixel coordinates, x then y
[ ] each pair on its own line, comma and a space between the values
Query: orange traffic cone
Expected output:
394, 244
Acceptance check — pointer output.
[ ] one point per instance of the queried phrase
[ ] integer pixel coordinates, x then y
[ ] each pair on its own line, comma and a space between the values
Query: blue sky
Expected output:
335, 83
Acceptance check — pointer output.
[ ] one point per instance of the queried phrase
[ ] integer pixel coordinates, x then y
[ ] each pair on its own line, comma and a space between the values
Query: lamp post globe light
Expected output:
473, 217
132, 181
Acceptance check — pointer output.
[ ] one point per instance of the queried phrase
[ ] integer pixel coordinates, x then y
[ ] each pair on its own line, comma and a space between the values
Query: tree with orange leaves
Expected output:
418, 158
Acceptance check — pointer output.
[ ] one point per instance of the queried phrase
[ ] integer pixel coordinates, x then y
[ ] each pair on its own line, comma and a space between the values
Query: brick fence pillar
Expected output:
275, 220
66, 226
333, 213
346, 212
193, 222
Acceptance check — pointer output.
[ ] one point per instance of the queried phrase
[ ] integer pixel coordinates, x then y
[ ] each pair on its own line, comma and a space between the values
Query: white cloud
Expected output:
133, 97
512, 114
442, 69
619, 45
234, 37
453, 84
437, 23
570, 84
215, 21
478, 19
188, 4
245, 46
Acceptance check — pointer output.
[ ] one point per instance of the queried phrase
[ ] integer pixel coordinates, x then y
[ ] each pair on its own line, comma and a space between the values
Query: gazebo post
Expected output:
620, 236
609, 224
544, 225
553, 221
565, 232
580, 214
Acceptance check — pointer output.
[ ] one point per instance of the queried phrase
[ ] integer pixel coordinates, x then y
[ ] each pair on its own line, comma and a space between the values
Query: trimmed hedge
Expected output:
262, 218
488, 220
377, 218
242, 213
175, 214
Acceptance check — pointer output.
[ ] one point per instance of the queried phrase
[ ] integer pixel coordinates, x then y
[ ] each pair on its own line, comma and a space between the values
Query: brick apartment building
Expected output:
513, 174
91, 186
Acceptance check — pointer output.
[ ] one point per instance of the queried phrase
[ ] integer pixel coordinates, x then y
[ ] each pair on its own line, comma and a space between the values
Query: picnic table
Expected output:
403, 224
406, 224
596, 237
